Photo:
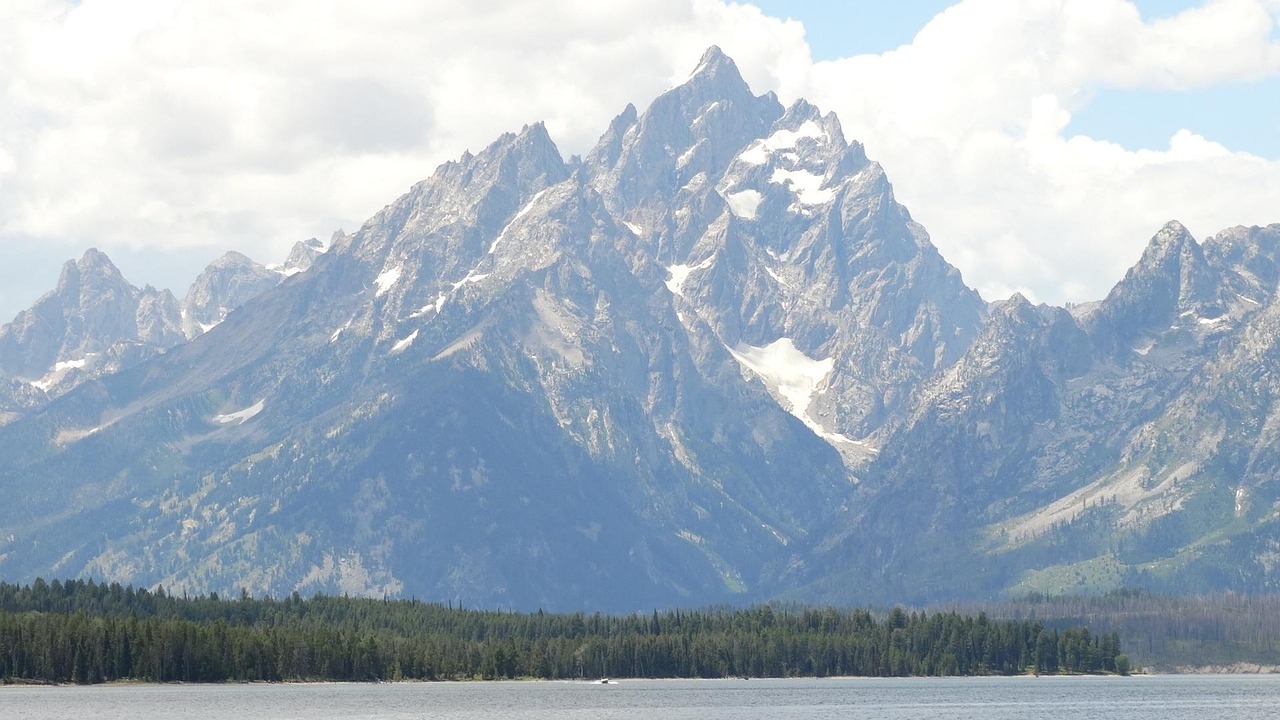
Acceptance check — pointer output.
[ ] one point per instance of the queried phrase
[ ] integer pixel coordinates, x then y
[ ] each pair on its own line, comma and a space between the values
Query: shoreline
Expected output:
1239, 668
1210, 670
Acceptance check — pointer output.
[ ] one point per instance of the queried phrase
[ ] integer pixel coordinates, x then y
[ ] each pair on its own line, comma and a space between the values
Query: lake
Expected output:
1162, 697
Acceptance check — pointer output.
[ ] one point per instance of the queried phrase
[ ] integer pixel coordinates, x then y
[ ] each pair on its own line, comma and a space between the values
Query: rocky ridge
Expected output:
95, 323
715, 360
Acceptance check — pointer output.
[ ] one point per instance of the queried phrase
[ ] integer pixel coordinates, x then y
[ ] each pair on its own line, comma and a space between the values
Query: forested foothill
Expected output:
1166, 633
85, 632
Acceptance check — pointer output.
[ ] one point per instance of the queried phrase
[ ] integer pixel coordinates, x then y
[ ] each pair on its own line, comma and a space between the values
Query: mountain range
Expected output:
713, 361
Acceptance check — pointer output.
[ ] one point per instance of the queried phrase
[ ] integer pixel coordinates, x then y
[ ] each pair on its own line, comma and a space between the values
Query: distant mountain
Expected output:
94, 322
713, 361
788, 243
1128, 447
304, 253
226, 284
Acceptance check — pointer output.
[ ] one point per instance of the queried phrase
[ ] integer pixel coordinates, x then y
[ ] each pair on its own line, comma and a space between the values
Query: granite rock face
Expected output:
226, 284
713, 361
93, 322
1130, 446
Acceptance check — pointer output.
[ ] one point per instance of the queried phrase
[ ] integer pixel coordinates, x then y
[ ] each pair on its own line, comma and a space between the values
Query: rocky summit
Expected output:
714, 361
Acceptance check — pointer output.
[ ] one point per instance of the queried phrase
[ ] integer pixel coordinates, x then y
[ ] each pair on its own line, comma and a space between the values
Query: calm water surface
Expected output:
1166, 697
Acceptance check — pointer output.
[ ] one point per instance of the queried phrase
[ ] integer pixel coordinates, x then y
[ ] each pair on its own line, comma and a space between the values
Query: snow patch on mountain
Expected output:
776, 277
404, 343
301, 256
796, 377
435, 306
471, 278
59, 371
338, 332
706, 111
387, 278
680, 273
438, 304
758, 152
806, 186
285, 270
519, 214
687, 155
240, 416
744, 203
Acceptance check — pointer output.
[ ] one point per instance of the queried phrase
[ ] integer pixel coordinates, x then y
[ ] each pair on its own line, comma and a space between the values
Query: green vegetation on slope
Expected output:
84, 632
1163, 632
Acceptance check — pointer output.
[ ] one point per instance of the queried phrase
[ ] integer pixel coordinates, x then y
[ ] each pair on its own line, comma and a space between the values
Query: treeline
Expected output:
1164, 632
84, 632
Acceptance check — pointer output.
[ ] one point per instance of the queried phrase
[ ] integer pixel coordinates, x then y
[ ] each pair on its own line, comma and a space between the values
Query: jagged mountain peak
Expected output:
447, 220
1243, 239
535, 132
231, 258
93, 265
93, 322
683, 370
624, 119
224, 285
717, 70
689, 133
1008, 323
1171, 280
1054, 330
338, 242
609, 147
93, 257
801, 162
303, 254
1172, 232
539, 162
432, 246
1252, 256
712, 57
1171, 250
802, 111
512, 158
793, 247
1015, 304
528, 160
809, 126
532, 143
309, 248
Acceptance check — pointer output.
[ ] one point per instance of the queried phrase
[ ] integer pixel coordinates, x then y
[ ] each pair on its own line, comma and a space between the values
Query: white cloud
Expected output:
970, 123
135, 124
152, 123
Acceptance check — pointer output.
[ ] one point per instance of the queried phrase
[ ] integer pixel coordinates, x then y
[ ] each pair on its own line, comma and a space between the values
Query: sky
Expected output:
1040, 142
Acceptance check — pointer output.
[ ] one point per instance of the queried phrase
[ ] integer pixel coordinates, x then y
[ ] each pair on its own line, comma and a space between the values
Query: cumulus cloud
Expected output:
148, 123
166, 125
970, 121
